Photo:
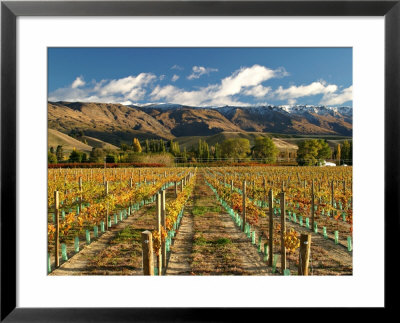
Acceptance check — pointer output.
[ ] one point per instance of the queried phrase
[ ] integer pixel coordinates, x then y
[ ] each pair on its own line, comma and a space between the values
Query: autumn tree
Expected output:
136, 147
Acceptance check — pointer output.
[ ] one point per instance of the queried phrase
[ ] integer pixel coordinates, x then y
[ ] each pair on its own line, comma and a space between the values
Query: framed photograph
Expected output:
219, 145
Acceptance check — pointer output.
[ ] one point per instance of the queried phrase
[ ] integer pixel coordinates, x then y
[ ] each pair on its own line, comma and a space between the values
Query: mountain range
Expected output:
117, 123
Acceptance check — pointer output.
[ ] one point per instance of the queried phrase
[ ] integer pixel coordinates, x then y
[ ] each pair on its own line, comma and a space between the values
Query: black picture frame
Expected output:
10, 10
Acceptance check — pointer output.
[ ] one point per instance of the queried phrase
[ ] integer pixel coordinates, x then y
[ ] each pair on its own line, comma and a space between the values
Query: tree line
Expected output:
310, 152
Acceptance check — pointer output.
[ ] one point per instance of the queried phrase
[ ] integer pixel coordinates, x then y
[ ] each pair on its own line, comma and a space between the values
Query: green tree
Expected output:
265, 149
75, 156
124, 147
174, 148
110, 158
324, 151
51, 158
338, 153
311, 151
203, 150
217, 151
60, 153
346, 152
147, 146
52, 150
162, 146
236, 148
97, 155
84, 158
184, 155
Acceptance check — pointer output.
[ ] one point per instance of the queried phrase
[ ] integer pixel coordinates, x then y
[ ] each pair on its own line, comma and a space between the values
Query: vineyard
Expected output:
200, 221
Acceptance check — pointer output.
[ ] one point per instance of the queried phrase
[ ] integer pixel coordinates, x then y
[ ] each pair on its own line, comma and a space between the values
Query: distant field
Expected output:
97, 143
56, 138
281, 141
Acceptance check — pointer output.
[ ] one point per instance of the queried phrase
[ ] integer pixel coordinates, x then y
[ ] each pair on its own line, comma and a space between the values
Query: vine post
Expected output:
304, 254
147, 253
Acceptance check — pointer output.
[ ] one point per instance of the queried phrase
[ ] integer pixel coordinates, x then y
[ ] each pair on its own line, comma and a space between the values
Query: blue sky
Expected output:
202, 76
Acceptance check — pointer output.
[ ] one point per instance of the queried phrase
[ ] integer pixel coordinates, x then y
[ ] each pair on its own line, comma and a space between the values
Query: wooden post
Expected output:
344, 186
283, 231
332, 193
130, 182
147, 253
164, 224
182, 184
159, 259
312, 206
304, 254
271, 228
244, 206
176, 190
57, 233
106, 187
231, 185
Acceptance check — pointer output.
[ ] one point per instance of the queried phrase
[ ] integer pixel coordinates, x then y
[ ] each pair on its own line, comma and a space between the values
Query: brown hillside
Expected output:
55, 138
192, 122
112, 123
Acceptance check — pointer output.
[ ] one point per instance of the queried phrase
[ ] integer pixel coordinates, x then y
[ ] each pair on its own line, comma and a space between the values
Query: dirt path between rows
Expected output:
209, 243
179, 259
80, 263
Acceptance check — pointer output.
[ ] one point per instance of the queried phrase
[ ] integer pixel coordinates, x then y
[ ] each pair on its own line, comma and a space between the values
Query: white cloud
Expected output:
258, 91
248, 77
198, 71
78, 82
177, 67
127, 84
295, 92
113, 91
161, 77
246, 80
126, 103
338, 98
